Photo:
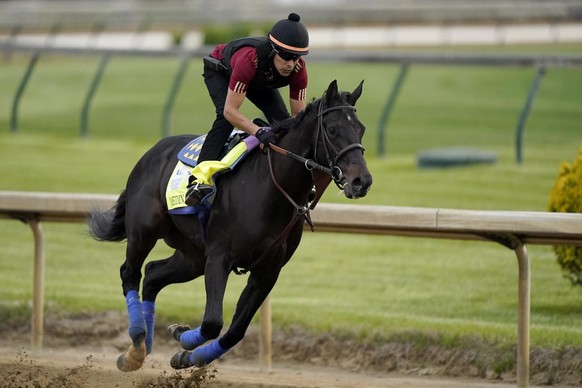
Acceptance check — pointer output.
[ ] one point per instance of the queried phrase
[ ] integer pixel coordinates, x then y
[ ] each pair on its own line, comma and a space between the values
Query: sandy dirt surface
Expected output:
89, 367
81, 351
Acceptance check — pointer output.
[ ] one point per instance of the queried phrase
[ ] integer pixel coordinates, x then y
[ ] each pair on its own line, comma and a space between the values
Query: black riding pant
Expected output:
269, 101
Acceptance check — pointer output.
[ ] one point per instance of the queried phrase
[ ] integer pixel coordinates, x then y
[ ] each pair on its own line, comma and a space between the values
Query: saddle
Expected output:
238, 145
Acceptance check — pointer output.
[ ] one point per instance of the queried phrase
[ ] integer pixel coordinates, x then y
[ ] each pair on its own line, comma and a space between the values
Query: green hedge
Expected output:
566, 196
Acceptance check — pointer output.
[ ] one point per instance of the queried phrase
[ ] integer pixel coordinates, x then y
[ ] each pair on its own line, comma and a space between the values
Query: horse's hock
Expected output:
454, 157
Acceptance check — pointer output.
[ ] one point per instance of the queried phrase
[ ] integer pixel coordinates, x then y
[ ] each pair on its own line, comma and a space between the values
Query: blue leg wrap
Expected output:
137, 324
206, 354
191, 339
149, 314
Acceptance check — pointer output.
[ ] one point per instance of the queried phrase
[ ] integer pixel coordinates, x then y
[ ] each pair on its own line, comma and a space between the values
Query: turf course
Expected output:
365, 286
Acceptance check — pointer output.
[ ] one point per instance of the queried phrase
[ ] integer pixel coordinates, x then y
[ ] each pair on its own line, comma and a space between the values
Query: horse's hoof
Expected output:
176, 330
121, 363
181, 360
131, 360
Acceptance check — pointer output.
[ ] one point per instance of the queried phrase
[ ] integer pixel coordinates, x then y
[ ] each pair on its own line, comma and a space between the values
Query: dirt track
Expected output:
86, 367
82, 351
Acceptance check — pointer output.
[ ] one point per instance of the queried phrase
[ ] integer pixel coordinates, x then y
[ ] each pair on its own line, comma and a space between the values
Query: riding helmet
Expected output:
290, 35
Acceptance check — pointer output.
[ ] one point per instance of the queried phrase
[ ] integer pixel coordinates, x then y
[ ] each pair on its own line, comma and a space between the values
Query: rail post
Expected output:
388, 107
38, 285
20, 91
91, 93
523, 319
525, 113
172, 96
265, 336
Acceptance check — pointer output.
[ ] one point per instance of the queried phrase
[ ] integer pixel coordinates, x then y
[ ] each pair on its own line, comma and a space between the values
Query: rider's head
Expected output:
289, 38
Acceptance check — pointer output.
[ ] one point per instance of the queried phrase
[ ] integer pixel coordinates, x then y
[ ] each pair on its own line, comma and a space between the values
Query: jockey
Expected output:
253, 67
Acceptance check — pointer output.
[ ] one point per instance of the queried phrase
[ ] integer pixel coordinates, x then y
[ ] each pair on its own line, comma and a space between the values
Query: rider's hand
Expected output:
266, 136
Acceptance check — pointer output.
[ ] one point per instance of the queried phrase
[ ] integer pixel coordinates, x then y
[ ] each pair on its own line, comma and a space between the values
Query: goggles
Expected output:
287, 56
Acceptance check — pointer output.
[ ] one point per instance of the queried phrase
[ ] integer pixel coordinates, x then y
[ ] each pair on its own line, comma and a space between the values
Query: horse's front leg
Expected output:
259, 285
181, 267
216, 273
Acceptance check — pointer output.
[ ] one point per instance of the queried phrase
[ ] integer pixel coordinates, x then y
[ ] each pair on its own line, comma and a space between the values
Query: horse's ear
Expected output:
331, 92
356, 94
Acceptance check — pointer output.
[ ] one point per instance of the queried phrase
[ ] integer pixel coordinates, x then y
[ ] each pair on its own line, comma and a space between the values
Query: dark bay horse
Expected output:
252, 223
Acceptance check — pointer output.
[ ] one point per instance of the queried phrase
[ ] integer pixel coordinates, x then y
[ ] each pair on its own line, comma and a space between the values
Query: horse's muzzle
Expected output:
358, 187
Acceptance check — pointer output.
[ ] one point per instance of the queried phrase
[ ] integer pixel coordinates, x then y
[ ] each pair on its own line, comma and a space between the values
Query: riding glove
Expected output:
265, 136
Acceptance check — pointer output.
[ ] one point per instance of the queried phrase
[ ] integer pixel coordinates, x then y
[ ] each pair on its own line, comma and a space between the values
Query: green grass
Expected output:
367, 286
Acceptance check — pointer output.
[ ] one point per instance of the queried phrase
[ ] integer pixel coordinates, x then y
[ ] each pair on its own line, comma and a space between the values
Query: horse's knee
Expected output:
211, 329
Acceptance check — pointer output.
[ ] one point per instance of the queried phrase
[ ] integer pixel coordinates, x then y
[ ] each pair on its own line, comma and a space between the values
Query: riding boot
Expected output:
196, 191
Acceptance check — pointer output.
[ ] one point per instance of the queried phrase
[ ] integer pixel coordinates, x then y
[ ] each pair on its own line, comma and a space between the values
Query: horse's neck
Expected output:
293, 173
300, 138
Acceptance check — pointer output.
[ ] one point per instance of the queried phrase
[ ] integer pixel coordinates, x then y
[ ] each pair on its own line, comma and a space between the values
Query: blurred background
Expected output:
339, 23
493, 86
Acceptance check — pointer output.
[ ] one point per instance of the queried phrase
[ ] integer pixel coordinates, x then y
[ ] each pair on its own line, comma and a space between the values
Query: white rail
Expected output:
513, 229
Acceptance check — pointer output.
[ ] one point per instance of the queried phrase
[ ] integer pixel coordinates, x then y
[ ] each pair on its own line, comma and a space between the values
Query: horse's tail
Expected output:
109, 225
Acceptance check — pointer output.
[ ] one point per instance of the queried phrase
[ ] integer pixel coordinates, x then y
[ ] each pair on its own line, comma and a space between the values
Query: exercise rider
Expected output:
253, 68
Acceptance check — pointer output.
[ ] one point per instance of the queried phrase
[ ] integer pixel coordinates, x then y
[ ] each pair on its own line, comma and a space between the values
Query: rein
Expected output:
310, 164
333, 170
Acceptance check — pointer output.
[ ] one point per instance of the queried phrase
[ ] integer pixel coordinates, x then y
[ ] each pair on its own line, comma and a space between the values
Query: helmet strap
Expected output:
273, 50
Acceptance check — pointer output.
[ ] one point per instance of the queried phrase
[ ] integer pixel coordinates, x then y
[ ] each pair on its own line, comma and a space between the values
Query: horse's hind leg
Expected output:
160, 273
130, 272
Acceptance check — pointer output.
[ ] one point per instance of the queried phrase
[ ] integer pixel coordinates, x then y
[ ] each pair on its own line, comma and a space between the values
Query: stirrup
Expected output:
196, 193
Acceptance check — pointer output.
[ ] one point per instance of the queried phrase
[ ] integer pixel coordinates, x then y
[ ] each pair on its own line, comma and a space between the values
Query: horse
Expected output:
252, 225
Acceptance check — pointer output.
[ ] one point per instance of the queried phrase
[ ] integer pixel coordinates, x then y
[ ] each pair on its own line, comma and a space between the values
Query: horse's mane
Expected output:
283, 126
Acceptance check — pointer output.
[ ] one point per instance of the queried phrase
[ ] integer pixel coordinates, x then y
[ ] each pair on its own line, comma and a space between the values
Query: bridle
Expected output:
332, 169
336, 172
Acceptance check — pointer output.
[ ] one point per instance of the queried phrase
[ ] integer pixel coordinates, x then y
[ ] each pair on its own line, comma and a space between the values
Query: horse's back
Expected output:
146, 184
158, 158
